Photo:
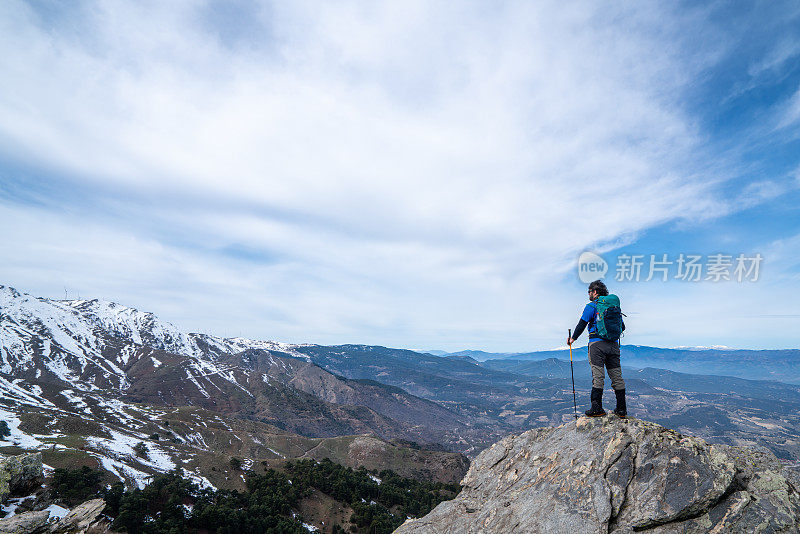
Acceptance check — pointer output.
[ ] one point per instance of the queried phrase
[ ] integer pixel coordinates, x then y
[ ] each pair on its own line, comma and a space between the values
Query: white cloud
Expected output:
755, 193
417, 171
785, 50
789, 111
487, 130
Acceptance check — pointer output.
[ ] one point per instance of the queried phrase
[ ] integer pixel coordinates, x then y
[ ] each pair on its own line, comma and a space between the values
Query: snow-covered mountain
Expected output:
88, 343
86, 381
96, 378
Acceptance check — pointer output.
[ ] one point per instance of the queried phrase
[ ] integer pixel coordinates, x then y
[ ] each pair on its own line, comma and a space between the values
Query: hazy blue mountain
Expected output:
663, 378
504, 395
781, 365
480, 355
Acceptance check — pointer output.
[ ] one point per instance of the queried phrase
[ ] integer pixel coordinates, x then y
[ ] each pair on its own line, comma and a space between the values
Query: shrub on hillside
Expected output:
141, 450
170, 503
378, 507
75, 486
236, 463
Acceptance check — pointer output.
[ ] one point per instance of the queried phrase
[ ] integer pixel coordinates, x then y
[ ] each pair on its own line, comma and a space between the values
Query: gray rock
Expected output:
20, 474
86, 517
26, 523
616, 475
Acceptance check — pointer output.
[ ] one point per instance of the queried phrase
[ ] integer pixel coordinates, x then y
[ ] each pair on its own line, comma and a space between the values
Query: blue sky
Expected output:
410, 174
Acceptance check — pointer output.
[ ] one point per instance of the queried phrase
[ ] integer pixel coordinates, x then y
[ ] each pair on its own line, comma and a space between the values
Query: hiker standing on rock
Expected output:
604, 317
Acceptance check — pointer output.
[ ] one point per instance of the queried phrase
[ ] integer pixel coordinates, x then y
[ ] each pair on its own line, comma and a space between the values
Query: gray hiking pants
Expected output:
604, 353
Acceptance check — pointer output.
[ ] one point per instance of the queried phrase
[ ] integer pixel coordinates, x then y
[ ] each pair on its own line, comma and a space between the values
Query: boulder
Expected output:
20, 474
614, 475
84, 518
26, 523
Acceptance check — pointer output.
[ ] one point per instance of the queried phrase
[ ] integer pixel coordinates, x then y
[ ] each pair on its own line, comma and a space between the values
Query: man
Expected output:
602, 353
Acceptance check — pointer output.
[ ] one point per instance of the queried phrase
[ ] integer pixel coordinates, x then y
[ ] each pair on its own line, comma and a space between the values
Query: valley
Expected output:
98, 384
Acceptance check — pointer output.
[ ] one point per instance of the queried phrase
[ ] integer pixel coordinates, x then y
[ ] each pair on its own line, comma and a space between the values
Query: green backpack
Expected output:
609, 317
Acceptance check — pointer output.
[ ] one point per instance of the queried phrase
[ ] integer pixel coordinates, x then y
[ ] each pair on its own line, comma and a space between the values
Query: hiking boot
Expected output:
621, 409
597, 404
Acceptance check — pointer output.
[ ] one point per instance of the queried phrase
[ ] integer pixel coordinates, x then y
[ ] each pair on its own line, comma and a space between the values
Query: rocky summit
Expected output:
614, 475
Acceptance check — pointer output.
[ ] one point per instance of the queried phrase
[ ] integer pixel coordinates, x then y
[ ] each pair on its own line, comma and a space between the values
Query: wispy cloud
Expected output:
789, 111
407, 170
775, 59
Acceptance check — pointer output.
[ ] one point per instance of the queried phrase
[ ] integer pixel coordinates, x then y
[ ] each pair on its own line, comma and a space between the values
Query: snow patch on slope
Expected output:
76, 401
17, 437
120, 448
15, 391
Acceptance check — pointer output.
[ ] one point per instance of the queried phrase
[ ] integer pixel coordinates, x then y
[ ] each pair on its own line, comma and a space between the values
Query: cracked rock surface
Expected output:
614, 475
86, 518
19, 474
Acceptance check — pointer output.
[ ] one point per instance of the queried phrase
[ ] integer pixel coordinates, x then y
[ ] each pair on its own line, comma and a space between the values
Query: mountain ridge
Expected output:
781, 365
86, 380
267, 400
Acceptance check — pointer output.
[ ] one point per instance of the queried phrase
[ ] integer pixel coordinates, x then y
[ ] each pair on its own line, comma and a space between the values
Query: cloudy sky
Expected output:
411, 174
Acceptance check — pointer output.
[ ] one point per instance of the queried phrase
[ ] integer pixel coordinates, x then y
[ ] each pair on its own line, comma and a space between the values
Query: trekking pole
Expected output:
572, 372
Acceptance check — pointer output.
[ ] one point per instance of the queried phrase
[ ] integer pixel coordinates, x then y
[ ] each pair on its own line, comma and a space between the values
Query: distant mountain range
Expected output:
781, 365
85, 381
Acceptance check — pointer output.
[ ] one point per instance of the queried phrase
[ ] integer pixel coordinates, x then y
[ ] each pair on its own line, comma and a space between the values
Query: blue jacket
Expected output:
590, 316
